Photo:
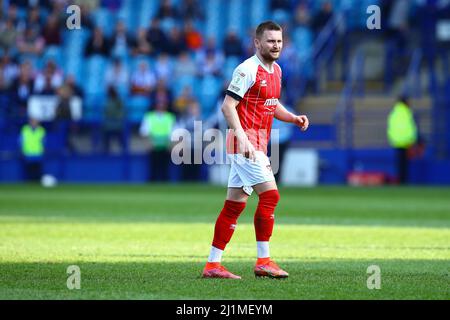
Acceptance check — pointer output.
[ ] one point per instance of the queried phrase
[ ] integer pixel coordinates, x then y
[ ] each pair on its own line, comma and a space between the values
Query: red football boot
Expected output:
268, 268
216, 270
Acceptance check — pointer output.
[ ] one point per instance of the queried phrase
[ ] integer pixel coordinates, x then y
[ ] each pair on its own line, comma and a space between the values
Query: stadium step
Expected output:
369, 118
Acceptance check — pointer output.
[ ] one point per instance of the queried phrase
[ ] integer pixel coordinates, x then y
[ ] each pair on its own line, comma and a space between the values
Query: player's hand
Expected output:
302, 122
245, 146
249, 151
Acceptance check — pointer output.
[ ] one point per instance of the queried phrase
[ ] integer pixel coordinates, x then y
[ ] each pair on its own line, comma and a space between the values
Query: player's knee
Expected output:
233, 209
270, 198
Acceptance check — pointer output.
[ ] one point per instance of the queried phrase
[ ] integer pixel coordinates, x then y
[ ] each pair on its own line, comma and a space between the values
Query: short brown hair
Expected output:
267, 25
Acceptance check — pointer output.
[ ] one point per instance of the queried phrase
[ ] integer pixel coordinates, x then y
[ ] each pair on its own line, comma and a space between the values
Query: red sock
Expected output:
264, 218
226, 223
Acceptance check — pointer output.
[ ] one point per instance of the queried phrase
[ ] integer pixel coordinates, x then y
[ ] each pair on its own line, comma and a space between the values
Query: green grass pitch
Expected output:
151, 242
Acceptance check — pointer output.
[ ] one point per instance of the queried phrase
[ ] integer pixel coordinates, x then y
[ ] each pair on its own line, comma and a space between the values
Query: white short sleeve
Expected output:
243, 79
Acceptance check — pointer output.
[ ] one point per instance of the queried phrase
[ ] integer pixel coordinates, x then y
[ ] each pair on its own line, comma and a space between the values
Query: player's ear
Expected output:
256, 42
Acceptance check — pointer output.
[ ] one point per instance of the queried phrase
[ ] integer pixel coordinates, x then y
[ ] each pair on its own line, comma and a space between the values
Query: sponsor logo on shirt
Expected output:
263, 83
270, 102
234, 88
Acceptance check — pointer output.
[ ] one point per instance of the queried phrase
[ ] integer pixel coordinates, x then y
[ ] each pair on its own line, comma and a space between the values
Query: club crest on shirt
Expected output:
239, 75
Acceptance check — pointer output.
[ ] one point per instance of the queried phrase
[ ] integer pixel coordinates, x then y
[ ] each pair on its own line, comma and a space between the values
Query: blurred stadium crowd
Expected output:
130, 57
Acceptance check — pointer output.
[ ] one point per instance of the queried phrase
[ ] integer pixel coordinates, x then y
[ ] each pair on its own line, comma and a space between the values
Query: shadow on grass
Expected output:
396, 207
336, 279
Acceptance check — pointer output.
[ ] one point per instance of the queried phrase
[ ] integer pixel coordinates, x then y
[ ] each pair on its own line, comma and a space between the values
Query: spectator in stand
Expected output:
71, 83
63, 121
142, 46
8, 35
163, 67
44, 4
113, 5
402, 134
210, 60
3, 87
32, 142
121, 41
398, 28
9, 68
22, 89
302, 15
249, 46
58, 9
34, 19
192, 10
49, 80
97, 44
285, 5
212, 65
190, 171
13, 15
157, 126
117, 76
63, 112
182, 102
31, 43
176, 42
52, 31
87, 20
156, 36
162, 95
185, 66
91, 4
142, 80
167, 11
5, 105
321, 19
113, 120
193, 37
232, 45
289, 56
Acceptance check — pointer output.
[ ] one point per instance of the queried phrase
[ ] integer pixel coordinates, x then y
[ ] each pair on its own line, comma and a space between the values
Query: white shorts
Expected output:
246, 173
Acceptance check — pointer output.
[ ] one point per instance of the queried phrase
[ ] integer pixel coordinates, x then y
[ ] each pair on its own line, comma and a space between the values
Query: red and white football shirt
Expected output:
258, 90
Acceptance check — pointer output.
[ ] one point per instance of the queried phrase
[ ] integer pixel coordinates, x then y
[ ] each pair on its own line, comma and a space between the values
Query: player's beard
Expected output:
268, 56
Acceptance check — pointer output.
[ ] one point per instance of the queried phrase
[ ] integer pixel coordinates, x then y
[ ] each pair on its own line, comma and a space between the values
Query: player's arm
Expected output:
231, 116
282, 114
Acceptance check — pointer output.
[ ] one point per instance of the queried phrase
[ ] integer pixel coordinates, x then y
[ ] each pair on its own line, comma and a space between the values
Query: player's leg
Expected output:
224, 228
264, 216
264, 223
227, 221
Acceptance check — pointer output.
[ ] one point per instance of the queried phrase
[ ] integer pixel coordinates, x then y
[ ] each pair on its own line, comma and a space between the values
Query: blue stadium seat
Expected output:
147, 11
75, 66
95, 75
136, 107
93, 106
184, 81
105, 19
237, 16
209, 90
52, 53
132, 64
303, 40
281, 16
230, 64
129, 14
215, 20
167, 24
258, 11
